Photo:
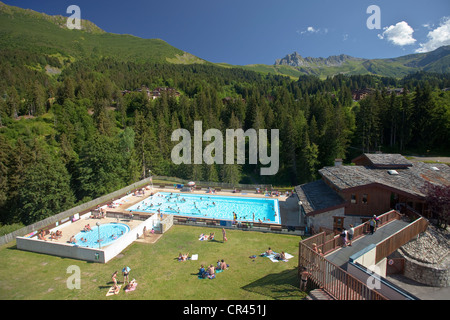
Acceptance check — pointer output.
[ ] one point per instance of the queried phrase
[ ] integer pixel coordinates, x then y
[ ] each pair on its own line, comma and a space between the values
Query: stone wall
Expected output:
435, 275
427, 258
324, 219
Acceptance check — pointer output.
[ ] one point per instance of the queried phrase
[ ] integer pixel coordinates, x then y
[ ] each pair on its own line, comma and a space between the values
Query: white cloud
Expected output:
312, 30
428, 26
438, 37
399, 34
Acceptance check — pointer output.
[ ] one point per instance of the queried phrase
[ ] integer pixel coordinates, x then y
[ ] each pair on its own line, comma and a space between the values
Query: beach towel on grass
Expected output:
132, 288
273, 255
112, 292
216, 272
194, 257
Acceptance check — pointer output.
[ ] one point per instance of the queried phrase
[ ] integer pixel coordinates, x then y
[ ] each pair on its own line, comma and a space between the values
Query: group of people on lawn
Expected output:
210, 272
278, 256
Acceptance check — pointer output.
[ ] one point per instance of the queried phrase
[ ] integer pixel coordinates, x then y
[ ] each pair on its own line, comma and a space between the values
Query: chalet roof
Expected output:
385, 160
317, 195
409, 179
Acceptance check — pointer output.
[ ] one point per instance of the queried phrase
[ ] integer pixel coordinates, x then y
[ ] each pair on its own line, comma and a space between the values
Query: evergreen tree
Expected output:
45, 190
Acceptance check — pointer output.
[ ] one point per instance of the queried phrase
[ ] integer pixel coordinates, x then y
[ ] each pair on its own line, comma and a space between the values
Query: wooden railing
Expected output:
327, 243
398, 239
334, 280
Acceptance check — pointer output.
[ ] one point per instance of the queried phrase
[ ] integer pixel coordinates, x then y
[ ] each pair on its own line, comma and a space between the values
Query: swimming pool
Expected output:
109, 233
265, 210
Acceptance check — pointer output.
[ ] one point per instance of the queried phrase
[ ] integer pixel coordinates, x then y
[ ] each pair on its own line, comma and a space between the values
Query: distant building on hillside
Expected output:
396, 91
155, 93
359, 94
375, 184
227, 100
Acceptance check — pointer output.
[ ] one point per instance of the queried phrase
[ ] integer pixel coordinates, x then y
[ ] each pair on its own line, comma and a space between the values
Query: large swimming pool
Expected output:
109, 233
206, 205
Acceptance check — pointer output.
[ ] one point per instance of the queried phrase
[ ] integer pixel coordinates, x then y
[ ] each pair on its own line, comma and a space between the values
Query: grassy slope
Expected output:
27, 275
31, 31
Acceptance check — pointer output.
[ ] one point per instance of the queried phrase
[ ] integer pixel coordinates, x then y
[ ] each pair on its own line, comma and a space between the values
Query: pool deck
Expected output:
72, 229
289, 211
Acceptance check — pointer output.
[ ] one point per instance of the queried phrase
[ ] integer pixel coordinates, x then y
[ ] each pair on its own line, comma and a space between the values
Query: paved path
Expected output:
340, 257
421, 291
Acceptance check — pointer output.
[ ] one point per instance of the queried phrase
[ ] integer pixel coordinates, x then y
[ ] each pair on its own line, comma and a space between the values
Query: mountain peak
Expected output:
296, 60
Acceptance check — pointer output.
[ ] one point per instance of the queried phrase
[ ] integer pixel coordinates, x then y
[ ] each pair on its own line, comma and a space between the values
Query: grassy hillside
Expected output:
30, 31
40, 33
28, 275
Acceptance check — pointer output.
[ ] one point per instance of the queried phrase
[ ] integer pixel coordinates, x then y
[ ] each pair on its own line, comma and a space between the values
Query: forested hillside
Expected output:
70, 133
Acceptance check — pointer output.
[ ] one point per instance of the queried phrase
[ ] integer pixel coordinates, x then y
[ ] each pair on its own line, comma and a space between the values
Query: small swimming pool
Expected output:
109, 233
206, 205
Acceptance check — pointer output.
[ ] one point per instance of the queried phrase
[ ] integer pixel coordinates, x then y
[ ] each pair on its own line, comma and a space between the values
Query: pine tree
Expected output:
45, 189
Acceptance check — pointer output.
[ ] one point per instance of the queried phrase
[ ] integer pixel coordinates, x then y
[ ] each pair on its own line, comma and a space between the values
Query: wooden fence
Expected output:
328, 242
334, 280
398, 239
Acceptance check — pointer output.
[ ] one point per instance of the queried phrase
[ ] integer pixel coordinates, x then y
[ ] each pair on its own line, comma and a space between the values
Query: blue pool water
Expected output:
109, 233
211, 206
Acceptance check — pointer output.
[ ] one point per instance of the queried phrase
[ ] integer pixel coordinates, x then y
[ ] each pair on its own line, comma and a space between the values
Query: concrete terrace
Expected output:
341, 256
289, 209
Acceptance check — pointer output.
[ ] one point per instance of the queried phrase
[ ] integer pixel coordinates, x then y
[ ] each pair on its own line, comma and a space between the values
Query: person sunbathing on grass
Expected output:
202, 272
205, 236
223, 265
211, 272
280, 256
183, 257
131, 285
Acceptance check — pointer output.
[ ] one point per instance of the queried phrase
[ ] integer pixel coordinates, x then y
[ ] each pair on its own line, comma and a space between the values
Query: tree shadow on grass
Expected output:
278, 286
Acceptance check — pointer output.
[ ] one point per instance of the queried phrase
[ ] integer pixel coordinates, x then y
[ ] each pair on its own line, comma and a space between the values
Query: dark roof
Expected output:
317, 195
409, 179
385, 160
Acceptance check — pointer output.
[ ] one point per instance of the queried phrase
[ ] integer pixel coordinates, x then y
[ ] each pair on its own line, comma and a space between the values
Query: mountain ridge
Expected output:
433, 61
31, 31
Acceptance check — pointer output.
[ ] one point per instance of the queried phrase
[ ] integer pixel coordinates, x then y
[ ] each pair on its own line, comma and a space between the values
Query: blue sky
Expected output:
251, 32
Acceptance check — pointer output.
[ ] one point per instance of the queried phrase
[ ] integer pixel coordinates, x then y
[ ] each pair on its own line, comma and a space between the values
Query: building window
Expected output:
365, 198
353, 198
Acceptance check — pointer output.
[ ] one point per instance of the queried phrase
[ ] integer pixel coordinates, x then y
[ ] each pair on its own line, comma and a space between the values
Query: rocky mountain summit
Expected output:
296, 60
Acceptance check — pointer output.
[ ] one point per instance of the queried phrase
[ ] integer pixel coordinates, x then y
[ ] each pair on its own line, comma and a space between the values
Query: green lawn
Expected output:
27, 275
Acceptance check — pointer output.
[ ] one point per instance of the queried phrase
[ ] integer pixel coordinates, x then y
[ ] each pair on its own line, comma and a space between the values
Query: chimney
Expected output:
337, 162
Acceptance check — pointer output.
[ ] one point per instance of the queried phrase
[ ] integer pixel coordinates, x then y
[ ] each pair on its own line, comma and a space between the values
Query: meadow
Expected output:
160, 276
